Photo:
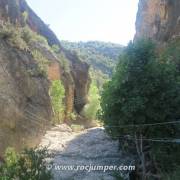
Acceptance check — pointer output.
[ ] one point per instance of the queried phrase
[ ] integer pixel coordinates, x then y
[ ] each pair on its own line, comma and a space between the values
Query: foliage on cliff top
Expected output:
22, 38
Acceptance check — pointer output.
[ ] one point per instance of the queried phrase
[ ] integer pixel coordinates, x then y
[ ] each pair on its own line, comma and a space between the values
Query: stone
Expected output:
158, 20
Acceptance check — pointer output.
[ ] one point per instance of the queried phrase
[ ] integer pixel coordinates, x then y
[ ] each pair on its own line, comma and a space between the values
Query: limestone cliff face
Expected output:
13, 9
158, 19
25, 110
79, 71
25, 106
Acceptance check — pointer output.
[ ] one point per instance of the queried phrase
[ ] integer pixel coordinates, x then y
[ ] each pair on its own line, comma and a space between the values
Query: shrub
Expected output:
57, 94
55, 48
6, 30
172, 52
24, 17
90, 110
30, 164
42, 62
73, 116
61, 57
173, 176
24, 38
145, 89
30, 36
12, 34
64, 62
21, 37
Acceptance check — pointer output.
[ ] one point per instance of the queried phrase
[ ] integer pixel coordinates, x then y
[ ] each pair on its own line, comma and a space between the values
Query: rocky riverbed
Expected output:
73, 153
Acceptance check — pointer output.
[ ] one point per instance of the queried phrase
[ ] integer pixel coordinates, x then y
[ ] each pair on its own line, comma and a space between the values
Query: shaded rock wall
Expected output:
25, 110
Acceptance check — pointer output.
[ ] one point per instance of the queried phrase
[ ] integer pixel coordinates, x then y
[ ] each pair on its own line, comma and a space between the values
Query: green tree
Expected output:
57, 94
90, 110
144, 89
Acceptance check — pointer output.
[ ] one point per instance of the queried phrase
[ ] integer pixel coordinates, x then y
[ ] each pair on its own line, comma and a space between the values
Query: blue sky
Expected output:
84, 20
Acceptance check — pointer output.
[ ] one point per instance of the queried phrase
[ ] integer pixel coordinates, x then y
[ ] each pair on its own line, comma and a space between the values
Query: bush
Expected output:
172, 52
12, 34
42, 62
22, 38
29, 165
64, 62
55, 48
90, 110
145, 89
61, 57
173, 176
57, 94
30, 36
25, 16
73, 116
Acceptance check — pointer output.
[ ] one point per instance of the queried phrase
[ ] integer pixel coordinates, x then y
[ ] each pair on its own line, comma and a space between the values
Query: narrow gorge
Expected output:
25, 104
48, 85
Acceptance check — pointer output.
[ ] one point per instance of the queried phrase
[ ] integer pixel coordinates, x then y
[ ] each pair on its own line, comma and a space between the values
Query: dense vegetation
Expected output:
29, 165
102, 57
57, 94
90, 110
145, 89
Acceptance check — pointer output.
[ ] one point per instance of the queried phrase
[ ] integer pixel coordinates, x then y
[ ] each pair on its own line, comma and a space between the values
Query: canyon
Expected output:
26, 110
25, 105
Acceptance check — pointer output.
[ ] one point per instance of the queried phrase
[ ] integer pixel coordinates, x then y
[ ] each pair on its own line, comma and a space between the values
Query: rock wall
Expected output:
25, 109
158, 19
80, 75
79, 70
25, 106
